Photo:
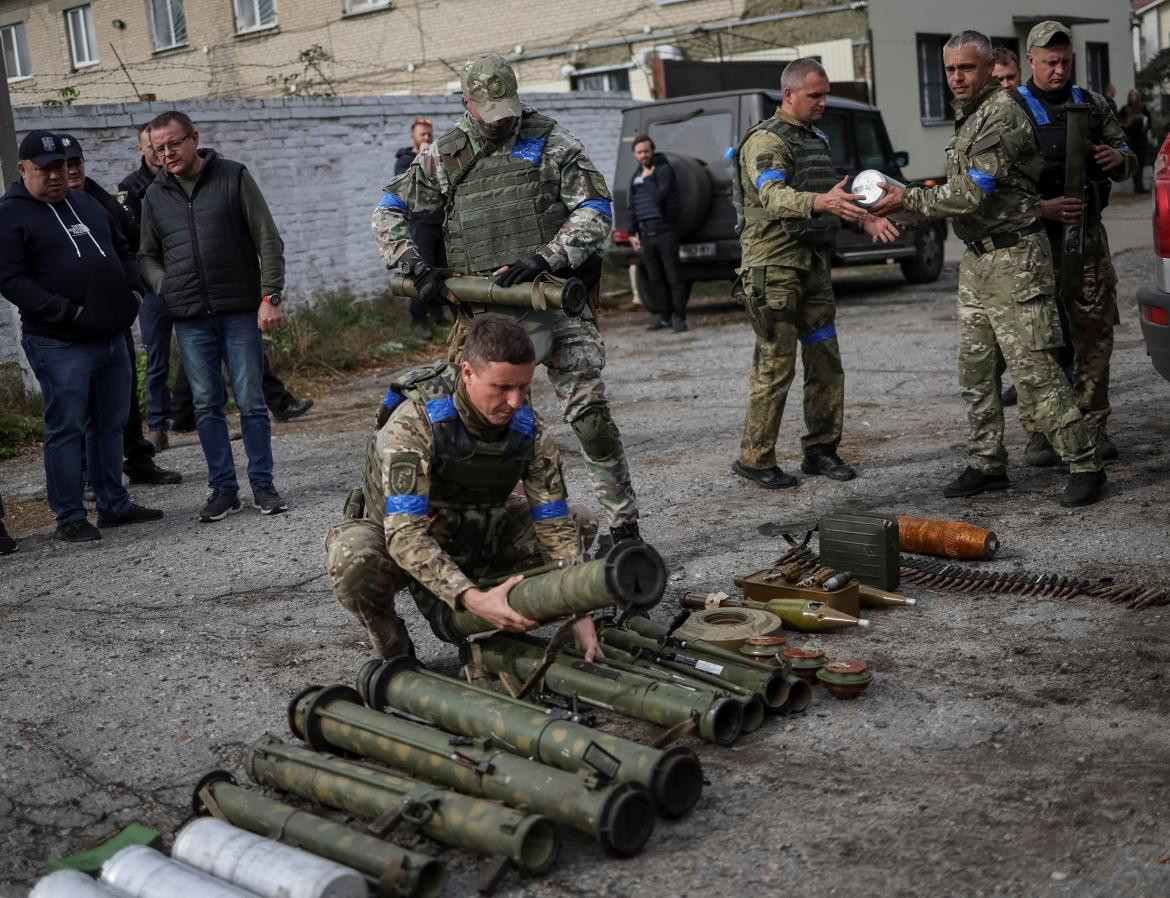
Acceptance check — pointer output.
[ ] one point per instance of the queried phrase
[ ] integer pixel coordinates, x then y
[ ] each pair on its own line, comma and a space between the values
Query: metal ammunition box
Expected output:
863, 543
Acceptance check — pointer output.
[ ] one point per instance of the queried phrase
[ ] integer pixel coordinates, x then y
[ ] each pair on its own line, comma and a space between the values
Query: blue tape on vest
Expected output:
530, 149
442, 409
729, 153
1078, 94
1124, 145
985, 181
820, 335
393, 399
770, 174
407, 504
394, 201
524, 421
550, 510
1039, 113
604, 207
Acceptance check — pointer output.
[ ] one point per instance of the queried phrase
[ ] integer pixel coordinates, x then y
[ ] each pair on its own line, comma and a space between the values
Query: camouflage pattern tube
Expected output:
570, 295
530, 841
673, 776
631, 575
768, 683
639, 695
396, 872
619, 816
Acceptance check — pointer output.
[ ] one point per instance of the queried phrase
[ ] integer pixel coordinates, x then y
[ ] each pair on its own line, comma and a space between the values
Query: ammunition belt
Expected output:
1003, 241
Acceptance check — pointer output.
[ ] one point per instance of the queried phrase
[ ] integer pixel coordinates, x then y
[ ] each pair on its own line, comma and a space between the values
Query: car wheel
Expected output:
927, 263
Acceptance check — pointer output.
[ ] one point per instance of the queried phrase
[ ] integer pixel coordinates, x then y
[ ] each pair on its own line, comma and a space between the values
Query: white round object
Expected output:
263, 866
72, 884
143, 872
869, 184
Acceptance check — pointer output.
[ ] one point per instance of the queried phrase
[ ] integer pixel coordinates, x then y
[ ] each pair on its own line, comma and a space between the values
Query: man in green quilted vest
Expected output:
791, 205
1006, 283
521, 200
437, 512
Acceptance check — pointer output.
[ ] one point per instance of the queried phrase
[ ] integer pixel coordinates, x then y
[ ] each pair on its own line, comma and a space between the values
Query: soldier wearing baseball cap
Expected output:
490, 84
1044, 33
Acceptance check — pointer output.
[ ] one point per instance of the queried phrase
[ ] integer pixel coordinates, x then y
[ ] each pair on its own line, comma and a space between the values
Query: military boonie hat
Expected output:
489, 82
41, 148
1042, 34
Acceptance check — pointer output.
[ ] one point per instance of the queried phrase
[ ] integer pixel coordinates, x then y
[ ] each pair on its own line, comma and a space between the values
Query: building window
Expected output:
352, 6
14, 42
611, 81
932, 79
1097, 63
168, 24
82, 39
252, 15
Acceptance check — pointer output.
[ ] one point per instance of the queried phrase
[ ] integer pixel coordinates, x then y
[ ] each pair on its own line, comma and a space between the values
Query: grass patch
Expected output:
21, 414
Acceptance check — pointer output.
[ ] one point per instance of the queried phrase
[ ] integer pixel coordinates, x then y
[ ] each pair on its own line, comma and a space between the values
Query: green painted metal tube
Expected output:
620, 816
571, 295
799, 695
395, 871
631, 575
674, 776
640, 695
530, 841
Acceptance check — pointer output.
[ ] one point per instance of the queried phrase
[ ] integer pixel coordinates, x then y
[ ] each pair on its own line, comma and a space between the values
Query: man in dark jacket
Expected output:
210, 249
654, 209
68, 271
426, 230
138, 452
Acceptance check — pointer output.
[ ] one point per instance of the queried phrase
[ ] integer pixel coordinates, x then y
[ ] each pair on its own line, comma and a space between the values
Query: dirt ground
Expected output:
1008, 745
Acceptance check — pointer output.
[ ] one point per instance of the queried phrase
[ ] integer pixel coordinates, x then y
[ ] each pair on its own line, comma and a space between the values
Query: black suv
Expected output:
696, 134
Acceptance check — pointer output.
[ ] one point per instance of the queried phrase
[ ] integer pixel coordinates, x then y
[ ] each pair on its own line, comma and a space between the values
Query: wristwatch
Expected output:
273, 299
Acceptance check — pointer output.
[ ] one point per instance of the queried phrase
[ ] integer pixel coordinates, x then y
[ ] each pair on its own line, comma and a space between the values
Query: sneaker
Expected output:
79, 531
159, 439
1039, 452
136, 514
680, 326
293, 408
1106, 448
827, 463
149, 473
219, 505
268, 500
973, 481
1083, 488
769, 478
7, 543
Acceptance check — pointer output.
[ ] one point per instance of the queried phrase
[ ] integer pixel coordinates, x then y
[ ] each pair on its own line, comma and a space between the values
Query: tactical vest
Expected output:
501, 206
814, 172
470, 478
1050, 123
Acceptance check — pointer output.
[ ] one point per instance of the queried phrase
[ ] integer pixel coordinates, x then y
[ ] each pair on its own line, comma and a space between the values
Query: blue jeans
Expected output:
83, 383
205, 344
156, 326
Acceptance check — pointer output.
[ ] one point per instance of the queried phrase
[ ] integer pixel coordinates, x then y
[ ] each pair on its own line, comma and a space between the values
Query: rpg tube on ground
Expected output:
73, 884
261, 866
720, 717
570, 295
530, 841
631, 575
619, 816
142, 872
799, 695
674, 776
396, 871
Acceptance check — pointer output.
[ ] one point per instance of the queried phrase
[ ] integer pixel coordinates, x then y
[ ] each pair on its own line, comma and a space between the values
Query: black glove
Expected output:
430, 283
523, 270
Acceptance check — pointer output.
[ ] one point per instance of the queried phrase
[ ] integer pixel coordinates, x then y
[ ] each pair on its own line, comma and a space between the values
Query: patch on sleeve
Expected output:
403, 473
984, 143
122, 194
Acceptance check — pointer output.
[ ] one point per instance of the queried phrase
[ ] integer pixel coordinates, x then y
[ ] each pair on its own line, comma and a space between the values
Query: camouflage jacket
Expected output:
761, 157
993, 163
401, 466
426, 187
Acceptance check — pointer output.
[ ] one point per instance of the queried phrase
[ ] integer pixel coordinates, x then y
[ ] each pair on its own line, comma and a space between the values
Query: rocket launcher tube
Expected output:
631, 575
673, 776
796, 614
569, 295
396, 871
720, 717
619, 816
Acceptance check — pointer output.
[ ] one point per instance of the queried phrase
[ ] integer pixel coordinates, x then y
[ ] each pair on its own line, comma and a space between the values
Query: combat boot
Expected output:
618, 534
1106, 448
1083, 488
1039, 452
973, 481
820, 460
769, 478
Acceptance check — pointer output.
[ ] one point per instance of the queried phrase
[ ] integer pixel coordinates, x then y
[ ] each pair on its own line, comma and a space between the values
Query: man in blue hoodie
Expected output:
68, 273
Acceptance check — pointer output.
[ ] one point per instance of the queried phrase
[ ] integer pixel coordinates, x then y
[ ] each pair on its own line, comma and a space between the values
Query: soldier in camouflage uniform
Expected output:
791, 206
437, 512
1092, 314
1005, 277
522, 200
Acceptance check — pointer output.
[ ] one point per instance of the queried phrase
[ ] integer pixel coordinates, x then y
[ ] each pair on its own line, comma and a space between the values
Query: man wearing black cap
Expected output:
139, 462
68, 271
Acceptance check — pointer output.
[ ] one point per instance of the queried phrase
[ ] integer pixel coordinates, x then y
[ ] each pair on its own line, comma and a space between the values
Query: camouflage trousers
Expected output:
1005, 298
574, 362
790, 307
365, 578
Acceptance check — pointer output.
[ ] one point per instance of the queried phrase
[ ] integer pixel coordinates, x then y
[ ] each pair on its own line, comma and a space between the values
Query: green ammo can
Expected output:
863, 543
